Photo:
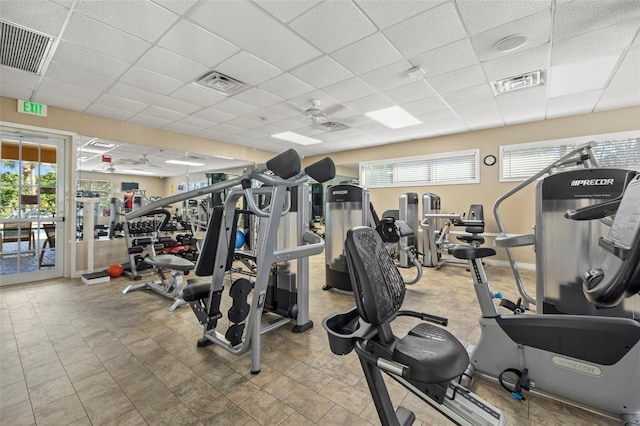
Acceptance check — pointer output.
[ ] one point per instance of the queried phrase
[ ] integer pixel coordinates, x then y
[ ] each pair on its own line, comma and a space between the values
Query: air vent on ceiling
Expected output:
23, 49
220, 83
332, 126
518, 82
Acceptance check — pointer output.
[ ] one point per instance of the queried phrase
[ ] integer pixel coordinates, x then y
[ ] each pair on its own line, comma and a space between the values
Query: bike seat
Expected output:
468, 252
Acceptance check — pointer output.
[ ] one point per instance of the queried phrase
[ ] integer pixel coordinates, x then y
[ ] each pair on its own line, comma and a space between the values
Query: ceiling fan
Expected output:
320, 117
144, 160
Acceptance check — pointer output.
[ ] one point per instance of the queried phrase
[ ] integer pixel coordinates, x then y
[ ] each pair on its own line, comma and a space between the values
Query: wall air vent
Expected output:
518, 82
332, 126
23, 49
220, 83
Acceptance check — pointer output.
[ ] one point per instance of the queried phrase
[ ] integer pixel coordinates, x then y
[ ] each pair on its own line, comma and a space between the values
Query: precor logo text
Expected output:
592, 182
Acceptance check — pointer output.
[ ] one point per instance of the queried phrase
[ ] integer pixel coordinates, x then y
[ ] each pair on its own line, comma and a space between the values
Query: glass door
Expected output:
32, 205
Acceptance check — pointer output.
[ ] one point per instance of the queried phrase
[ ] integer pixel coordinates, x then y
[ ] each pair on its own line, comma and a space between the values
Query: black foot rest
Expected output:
195, 292
468, 252
469, 239
169, 261
432, 354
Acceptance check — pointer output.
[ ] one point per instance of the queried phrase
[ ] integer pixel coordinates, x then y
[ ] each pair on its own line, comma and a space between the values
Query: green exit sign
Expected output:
34, 108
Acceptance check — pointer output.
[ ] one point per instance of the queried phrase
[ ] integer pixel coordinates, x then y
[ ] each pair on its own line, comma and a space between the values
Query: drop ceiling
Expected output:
138, 61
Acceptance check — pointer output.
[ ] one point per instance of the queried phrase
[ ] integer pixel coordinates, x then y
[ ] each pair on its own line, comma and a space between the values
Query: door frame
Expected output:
65, 171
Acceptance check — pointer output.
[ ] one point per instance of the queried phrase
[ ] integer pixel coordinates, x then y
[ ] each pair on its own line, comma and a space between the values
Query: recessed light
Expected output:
184, 163
296, 138
510, 43
393, 117
518, 82
135, 172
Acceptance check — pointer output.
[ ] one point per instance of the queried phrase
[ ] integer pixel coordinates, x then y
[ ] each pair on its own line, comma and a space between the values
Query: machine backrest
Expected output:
619, 273
476, 212
207, 256
378, 286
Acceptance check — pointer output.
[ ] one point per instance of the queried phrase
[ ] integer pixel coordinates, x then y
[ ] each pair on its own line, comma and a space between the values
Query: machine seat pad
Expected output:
195, 292
468, 252
169, 261
432, 354
469, 239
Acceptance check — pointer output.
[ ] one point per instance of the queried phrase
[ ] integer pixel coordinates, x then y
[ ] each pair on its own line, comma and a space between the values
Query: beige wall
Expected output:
518, 212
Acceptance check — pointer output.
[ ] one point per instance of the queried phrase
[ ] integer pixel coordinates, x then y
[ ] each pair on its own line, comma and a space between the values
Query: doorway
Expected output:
32, 188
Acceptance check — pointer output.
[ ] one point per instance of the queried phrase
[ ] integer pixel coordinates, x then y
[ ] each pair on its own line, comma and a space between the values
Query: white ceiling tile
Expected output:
88, 60
537, 29
197, 95
436, 115
582, 76
459, 54
194, 121
458, 79
388, 77
618, 97
424, 106
349, 90
147, 120
109, 112
18, 77
468, 94
386, 13
131, 92
227, 129
39, 15
512, 120
248, 68
182, 128
367, 54
579, 103
16, 92
370, 103
214, 116
257, 98
479, 16
61, 101
333, 24
177, 6
250, 134
291, 124
518, 63
67, 74
50, 86
582, 16
628, 73
278, 112
250, 27
163, 114
526, 102
110, 41
449, 126
244, 123
149, 80
286, 86
595, 43
234, 107
193, 42
118, 103
170, 64
410, 92
476, 106
485, 120
433, 28
286, 10
322, 72
140, 18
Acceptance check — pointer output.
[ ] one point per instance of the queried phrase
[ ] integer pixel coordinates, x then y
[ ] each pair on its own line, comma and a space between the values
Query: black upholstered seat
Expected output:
432, 354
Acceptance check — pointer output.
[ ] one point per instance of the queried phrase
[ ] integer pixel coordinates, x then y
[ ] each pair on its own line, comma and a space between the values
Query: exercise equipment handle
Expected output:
596, 211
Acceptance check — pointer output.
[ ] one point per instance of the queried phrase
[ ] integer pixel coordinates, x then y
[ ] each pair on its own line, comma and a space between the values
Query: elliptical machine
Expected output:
591, 361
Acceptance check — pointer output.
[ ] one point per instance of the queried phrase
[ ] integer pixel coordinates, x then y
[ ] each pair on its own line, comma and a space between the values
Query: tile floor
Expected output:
87, 355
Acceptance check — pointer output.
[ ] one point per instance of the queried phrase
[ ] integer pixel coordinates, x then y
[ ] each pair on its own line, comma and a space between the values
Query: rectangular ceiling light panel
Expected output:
184, 163
23, 49
296, 138
393, 117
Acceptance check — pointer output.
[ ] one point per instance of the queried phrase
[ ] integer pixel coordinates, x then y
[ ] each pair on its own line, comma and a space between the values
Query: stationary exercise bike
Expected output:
429, 361
591, 361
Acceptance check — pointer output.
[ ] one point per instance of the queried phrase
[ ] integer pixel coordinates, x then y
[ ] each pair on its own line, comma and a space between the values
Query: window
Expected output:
449, 168
521, 161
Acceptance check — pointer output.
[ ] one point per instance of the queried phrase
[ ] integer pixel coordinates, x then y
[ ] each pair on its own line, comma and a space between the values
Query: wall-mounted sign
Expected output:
33, 108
